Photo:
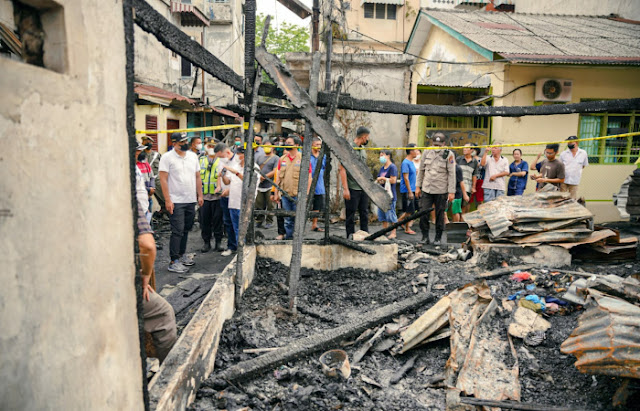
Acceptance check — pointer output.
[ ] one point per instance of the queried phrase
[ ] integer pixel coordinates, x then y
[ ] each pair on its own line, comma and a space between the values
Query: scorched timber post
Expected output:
252, 84
303, 191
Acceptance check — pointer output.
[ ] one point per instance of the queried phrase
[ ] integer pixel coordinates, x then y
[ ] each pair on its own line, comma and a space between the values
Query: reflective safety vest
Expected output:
209, 175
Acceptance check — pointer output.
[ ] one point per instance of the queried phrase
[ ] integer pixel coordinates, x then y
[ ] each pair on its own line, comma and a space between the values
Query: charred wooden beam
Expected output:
303, 192
340, 147
512, 405
249, 180
398, 224
305, 346
179, 42
351, 244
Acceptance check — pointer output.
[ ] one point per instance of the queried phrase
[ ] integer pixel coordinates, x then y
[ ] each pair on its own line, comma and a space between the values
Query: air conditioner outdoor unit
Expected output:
553, 89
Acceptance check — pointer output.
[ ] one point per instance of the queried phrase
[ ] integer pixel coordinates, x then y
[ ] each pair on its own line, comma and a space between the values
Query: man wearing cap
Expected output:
436, 185
355, 199
289, 169
228, 159
496, 169
574, 160
147, 176
211, 210
142, 191
182, 189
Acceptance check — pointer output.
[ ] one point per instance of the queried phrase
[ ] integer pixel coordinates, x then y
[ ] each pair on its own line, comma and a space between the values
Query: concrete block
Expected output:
334, 256
192, 358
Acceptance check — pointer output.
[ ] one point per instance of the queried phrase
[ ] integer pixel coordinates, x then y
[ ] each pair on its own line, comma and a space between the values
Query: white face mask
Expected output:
418, 157
210, 151
199, 146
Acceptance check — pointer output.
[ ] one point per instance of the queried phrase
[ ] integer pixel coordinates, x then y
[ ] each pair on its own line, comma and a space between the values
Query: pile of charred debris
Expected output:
546, 217
432, 335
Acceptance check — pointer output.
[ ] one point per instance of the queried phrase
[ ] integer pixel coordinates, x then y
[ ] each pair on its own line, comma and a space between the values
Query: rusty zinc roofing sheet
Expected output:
607, 339
547, 38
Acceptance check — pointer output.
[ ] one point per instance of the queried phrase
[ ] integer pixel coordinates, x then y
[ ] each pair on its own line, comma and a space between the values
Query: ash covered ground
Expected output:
547, 376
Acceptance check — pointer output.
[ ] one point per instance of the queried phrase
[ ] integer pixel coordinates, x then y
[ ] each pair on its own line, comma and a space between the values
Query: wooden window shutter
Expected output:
151, 123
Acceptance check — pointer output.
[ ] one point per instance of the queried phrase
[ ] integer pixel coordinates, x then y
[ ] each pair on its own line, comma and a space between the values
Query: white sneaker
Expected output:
177, 267
227, 252
187, 260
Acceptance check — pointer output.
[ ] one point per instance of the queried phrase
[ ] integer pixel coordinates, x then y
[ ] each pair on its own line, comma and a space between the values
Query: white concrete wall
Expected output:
69, 338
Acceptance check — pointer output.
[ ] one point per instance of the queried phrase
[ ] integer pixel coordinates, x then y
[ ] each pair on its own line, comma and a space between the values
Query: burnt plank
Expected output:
339, 146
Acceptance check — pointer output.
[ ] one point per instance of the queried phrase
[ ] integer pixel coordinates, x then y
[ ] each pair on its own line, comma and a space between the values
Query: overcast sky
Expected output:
280, 13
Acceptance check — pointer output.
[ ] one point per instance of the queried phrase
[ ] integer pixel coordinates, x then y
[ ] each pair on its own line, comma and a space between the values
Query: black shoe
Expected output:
425, 240
219, 246
206, 248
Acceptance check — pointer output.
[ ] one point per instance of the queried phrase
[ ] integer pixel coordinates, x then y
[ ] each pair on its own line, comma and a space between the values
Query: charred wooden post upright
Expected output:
303, 193
252, 84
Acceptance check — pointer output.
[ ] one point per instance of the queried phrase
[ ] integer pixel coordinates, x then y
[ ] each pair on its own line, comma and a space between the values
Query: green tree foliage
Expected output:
286, 38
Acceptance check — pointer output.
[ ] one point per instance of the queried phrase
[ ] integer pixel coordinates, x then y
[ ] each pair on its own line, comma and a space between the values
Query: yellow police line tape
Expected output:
186, 130
539, 143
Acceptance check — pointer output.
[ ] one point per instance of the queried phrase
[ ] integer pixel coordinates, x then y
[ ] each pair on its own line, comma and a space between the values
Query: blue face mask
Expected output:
383, 160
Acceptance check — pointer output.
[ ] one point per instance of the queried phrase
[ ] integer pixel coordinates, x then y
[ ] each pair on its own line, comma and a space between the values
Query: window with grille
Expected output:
619, 150
380, 11
186, 68
151, 123
368, 10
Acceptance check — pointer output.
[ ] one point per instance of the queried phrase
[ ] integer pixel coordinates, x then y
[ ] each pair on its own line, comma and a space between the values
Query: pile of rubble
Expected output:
546, 217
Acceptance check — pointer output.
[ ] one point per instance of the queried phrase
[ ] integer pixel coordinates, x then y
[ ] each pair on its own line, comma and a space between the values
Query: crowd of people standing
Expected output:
207, 178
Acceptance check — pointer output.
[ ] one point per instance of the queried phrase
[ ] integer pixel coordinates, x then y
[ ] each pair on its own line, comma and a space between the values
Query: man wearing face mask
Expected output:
289, 170
142, 181
355, 199
182, 188
574, 160
211, 210
153, 158
436, 185
196, 145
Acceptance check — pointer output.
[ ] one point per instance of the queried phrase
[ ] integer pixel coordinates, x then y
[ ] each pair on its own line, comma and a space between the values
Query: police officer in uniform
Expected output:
435, 185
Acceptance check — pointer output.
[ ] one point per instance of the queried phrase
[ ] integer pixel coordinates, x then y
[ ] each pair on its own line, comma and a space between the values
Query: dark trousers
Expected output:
263, 202
211, 220
232, 243
439, 202
359, 202
181, 223
281, 229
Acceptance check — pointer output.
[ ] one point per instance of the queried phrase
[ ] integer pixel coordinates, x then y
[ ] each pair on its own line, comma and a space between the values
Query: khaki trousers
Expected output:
572, 189
160, 322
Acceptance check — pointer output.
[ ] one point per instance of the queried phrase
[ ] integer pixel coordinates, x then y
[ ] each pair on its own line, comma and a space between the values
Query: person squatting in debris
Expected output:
551, 169
182, 188
470, 166
319, 191
355, 199
496, 169
518, 171
574, 160
436, 185
288, 178
387, 177
268, 164
158, 315
211, 223
408, 186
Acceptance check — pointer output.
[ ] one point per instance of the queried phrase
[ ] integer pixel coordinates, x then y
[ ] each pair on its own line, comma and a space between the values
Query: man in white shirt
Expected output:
182, 187
574, 160
496, 169
228, 159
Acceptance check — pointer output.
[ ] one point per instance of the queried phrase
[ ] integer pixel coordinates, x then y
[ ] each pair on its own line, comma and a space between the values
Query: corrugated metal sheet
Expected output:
547, 38
607, 339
